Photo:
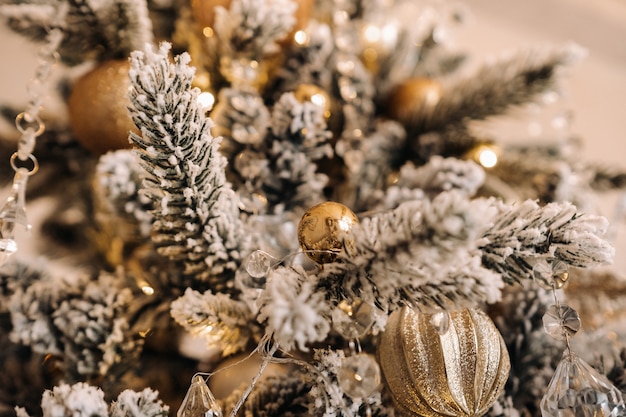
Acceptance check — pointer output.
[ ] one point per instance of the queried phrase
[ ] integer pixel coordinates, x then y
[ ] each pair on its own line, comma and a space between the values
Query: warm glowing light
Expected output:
318, 100
206, 100
301, 38
208, 31
148, 290
487, 157
371, 34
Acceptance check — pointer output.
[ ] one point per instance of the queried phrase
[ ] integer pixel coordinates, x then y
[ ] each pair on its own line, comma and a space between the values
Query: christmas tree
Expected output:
281, 207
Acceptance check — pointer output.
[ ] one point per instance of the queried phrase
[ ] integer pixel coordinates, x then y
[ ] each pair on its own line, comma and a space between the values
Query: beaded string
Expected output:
30, 126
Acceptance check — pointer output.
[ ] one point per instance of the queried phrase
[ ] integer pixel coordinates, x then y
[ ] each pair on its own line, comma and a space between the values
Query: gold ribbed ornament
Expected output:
457, 372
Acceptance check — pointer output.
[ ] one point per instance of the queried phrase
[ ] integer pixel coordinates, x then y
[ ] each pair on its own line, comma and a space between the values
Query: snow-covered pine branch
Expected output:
526, 233
217, 317
496, 87
195, 209
453, 250
423, 253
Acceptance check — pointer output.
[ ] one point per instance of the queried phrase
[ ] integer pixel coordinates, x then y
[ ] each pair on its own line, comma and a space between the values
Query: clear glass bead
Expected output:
552, 275
353, 320
561, 321
359, 375
258, 264
199, 401
578, 390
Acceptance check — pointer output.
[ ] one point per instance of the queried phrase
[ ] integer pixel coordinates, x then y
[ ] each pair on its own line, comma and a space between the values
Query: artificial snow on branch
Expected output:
195, 209
526, 233
216, 317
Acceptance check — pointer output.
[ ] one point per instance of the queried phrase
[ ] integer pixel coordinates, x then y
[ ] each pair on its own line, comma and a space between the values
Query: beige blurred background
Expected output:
595, 90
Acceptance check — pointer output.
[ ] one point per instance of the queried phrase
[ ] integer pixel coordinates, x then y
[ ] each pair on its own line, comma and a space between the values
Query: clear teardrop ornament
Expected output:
578, 390
359, 375
561, 321
199, 401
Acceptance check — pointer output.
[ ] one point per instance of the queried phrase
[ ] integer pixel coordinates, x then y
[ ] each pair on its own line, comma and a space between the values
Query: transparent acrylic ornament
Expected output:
359, 375
578, 390
353, 320
561, 321
552, 275
13, 213
199, 401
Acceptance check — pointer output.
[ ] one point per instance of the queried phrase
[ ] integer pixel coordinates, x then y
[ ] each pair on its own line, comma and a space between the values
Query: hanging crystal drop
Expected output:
199, 401
353, 320
578, 390
561, 321
551, 275
359, 375
12, 213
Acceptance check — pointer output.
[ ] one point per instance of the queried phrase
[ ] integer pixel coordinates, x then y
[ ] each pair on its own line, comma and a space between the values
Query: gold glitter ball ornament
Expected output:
324, 230
97, 108
458, 370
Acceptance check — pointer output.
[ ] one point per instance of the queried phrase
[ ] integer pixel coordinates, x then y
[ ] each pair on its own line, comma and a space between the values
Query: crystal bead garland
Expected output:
576, 389
199, 401
30, 126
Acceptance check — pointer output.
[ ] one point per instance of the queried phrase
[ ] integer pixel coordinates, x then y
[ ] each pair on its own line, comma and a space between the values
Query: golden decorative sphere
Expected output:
434, 372
97, 108
413, 99
313, 94
323, 229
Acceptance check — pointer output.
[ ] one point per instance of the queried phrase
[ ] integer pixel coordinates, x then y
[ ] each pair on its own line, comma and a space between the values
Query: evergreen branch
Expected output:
423, 253
496, 87
138, 404
216, 317
293, 309
196, 215
284, 395
252, 28
99, 30
522, 235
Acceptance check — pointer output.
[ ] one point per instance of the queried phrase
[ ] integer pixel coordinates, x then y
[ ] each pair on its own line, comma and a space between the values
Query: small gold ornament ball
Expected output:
413, 99
323, 229
313, 94
441, 371
97, 108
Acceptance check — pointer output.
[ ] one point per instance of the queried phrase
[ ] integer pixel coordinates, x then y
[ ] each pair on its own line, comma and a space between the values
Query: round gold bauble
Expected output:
413, 99
323, 230
204, 13
97, 108
313, 94
432, 372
